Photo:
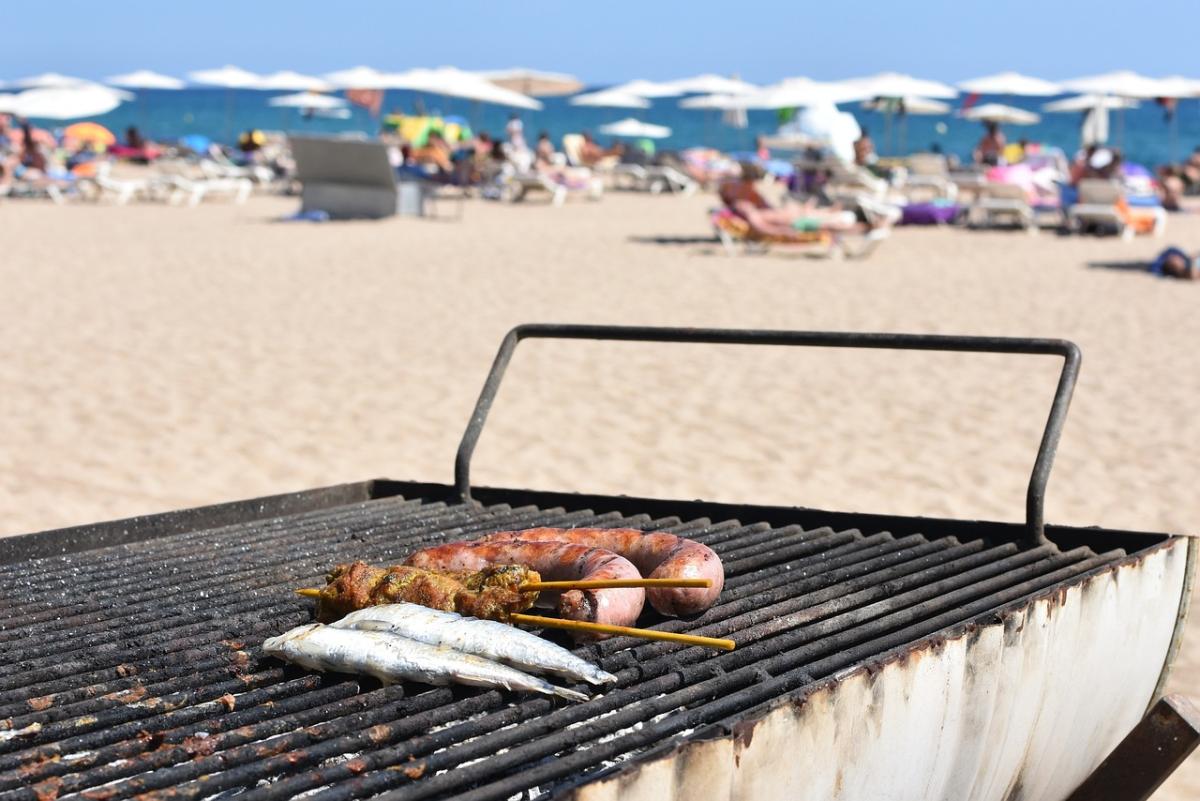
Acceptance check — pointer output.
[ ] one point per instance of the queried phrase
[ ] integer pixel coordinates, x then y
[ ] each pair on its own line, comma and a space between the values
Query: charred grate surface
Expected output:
136, 670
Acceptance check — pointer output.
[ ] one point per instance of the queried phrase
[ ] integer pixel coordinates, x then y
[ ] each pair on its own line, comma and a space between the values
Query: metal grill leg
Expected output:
1147, 756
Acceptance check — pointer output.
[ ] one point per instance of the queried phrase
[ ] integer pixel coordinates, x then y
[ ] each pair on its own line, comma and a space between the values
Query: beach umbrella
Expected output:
534, 83
609, 98
1000, 113
803, 92
1122, 83
286, 80
357, 78
1179, 86
710, 84
1089, 102
308, 100
227, 77
67, 103
1011, 83
48, 80
144, 79
91, 132
634, 128
895, 84
452, 82
911, 105
650, 89
714, 102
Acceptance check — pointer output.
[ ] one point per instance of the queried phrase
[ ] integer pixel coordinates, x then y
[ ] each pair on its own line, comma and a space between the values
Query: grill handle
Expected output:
1035, 496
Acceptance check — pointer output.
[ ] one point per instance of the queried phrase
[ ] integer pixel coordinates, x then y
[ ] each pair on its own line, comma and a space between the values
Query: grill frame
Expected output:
1138, 545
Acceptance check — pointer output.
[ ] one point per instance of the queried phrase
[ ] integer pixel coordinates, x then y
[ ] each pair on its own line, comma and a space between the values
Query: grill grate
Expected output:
136, 669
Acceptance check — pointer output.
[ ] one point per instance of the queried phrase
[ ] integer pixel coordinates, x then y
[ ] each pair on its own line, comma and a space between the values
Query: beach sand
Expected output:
157, 358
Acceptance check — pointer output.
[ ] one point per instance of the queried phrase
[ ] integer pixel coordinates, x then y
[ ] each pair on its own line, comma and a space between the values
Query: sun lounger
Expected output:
1100, 203
732, 230
349, 178
1002, 203
929, 174
652, 178
120, 190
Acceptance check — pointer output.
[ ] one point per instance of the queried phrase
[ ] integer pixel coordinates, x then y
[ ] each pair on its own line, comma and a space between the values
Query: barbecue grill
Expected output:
879, 657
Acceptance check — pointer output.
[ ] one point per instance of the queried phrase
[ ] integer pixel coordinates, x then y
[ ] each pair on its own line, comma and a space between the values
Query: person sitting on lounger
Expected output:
543, 153
742, 197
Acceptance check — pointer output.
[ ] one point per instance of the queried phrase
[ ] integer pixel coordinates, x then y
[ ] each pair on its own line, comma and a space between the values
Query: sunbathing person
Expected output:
1174, 263
742, 197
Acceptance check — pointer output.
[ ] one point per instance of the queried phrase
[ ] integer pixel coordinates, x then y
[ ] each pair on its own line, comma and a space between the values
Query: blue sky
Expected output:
604, 41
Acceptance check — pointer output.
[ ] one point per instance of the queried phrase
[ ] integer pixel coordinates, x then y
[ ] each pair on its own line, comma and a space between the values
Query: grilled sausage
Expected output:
554, 561
654, 554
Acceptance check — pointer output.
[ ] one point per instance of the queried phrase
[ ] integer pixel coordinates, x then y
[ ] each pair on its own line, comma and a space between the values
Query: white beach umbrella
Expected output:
357, 78
452, 82
228, 77
1089, 102
48, 80
710, 84
912, 105
1011, 83
535, 83
1000, 113
1179, 86
634, 128
1122, 83
308, 100
717, 102
286, 80
804, 92
895, 84
608, 98
144, 79
641, 88
67, 103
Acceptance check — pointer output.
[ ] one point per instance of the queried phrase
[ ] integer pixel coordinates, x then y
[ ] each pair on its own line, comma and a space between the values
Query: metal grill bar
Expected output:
121, 683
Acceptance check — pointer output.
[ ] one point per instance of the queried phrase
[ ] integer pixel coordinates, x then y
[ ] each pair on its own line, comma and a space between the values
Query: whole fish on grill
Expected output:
492, 592
391, 658
484, 638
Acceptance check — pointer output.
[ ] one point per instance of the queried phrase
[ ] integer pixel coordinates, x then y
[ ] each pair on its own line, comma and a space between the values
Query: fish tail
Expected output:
570, 695
601, 677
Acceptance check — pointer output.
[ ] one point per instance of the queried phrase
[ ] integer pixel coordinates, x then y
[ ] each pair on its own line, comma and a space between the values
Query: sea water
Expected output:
1143, 133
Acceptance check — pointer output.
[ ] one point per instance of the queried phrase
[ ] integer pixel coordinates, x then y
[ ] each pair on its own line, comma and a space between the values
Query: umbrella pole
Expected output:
228, 113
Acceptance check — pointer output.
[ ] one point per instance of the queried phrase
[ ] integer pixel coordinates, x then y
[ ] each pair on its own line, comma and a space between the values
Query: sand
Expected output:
156, 358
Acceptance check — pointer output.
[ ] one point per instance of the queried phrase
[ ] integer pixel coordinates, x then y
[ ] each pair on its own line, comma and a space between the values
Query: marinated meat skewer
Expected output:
488, 639
490, 593
391, 658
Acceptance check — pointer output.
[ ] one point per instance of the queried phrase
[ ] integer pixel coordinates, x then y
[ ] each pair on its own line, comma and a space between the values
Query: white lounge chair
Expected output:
184, 186
928, 174
121, 190
1002, 203
1097, 205
653, 178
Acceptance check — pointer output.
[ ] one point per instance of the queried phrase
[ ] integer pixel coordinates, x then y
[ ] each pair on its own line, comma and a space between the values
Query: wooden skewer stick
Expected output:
624, 631
309, 593
604, 584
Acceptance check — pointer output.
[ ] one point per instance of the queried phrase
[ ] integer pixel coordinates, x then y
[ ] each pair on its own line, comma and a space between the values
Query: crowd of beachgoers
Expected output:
827, 203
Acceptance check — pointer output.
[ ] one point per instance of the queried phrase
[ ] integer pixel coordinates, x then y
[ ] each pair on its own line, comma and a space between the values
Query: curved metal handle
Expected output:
1035, 496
